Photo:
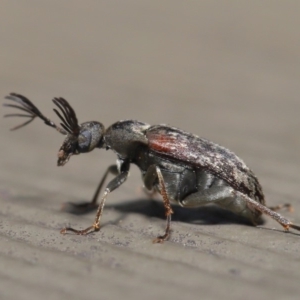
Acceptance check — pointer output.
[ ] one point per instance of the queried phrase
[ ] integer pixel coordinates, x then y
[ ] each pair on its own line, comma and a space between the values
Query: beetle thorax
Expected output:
124, 137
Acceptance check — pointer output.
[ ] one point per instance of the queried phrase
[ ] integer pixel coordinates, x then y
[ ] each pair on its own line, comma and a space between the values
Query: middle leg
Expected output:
153, 173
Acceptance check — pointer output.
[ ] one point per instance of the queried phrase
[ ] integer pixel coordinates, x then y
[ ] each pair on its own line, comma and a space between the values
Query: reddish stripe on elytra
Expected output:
161, 143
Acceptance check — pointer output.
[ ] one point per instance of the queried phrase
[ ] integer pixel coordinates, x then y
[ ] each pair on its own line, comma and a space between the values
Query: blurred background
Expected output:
224, 70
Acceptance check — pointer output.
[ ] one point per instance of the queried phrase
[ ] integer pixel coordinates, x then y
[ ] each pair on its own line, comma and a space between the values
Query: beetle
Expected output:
182, 167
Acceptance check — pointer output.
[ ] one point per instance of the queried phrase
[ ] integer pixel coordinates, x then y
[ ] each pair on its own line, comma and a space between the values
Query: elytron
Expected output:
182, 167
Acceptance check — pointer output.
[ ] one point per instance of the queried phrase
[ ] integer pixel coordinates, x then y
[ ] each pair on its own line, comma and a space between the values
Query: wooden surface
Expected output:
225, 70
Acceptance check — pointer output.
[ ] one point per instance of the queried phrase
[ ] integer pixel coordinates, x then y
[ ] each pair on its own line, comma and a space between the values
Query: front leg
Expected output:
112, 185
153, 173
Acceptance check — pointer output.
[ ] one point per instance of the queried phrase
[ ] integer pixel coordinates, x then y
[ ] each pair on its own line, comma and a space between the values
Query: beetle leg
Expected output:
285, 223
219, 193
153, 173
223, 196
112, 185
210, 195
168, 209
86, 206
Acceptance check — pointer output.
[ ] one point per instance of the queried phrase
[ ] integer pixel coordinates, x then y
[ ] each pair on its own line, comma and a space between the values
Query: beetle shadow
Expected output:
205, 215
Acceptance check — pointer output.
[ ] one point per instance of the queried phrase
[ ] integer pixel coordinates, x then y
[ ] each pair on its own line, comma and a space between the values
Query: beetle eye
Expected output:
90, 136
84, 141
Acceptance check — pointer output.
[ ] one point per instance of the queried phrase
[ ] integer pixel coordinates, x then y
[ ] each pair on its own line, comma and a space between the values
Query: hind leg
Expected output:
236, 202
224, 197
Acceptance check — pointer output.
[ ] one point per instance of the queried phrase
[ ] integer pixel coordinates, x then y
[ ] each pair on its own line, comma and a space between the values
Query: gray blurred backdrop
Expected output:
225, 70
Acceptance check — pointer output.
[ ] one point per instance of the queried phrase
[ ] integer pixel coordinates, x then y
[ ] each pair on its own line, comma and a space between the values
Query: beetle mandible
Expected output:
182, 167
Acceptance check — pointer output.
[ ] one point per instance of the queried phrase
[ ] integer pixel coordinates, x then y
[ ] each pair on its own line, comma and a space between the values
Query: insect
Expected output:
182, 167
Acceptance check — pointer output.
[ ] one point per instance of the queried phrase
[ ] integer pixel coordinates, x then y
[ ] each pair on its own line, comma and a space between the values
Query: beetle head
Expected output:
88, 138
80, 138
